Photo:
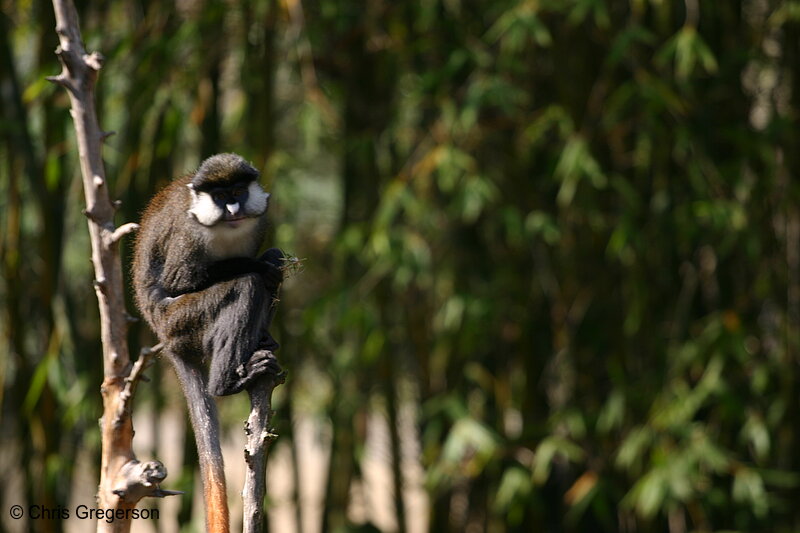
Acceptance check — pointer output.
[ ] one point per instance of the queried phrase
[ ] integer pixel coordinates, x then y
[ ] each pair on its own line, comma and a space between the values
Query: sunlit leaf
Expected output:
576, 162
469, 446
541, 224
756, 434
748, 487
582, 8
514, 485
648, 494
477, 193
552, 117
685, 50
515, 26
552, 448
633, 448
613, 412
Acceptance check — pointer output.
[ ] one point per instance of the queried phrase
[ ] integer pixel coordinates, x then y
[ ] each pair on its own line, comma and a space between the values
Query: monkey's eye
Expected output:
218, 196
238, 191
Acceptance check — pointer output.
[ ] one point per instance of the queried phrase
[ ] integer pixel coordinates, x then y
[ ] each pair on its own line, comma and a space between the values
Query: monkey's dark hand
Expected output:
272, 271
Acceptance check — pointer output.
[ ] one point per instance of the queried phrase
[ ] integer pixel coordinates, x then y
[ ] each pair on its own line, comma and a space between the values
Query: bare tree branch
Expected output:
259, 436
124, 408
123, 479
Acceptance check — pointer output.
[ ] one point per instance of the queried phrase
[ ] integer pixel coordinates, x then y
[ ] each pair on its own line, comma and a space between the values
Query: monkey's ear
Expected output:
191, 186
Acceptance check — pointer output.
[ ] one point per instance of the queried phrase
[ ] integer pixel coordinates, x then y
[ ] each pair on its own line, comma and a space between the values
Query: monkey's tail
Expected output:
203, 413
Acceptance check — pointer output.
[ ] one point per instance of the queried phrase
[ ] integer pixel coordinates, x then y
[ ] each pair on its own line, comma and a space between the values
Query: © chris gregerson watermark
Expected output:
80, 512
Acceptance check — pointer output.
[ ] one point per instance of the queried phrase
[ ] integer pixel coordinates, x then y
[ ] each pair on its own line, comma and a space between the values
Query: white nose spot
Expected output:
233, 208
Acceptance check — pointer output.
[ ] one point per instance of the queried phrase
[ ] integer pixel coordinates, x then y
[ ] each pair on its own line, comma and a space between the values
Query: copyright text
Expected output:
81, 512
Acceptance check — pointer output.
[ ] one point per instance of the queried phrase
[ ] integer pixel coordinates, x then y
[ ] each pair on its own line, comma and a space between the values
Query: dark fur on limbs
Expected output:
235, 339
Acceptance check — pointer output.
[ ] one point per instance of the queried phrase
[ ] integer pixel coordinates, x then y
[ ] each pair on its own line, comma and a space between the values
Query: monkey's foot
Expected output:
262, 362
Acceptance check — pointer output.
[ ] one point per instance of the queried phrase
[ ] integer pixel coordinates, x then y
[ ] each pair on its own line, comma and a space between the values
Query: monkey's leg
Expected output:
203, 413
237, 339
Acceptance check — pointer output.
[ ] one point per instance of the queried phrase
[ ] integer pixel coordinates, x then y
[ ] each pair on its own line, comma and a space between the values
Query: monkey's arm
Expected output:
267, 266
184, 277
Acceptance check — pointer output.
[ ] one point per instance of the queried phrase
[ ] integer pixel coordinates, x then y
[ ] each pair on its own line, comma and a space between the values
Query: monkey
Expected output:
209, 299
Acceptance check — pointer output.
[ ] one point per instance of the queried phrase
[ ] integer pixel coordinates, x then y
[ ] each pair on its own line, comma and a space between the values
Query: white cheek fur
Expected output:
256, 199
204, 209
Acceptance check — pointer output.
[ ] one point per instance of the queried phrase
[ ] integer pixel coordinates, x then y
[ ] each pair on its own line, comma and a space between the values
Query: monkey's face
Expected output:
229, 206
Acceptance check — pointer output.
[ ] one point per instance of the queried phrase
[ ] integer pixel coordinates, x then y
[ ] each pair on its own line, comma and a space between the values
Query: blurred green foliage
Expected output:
566, 233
